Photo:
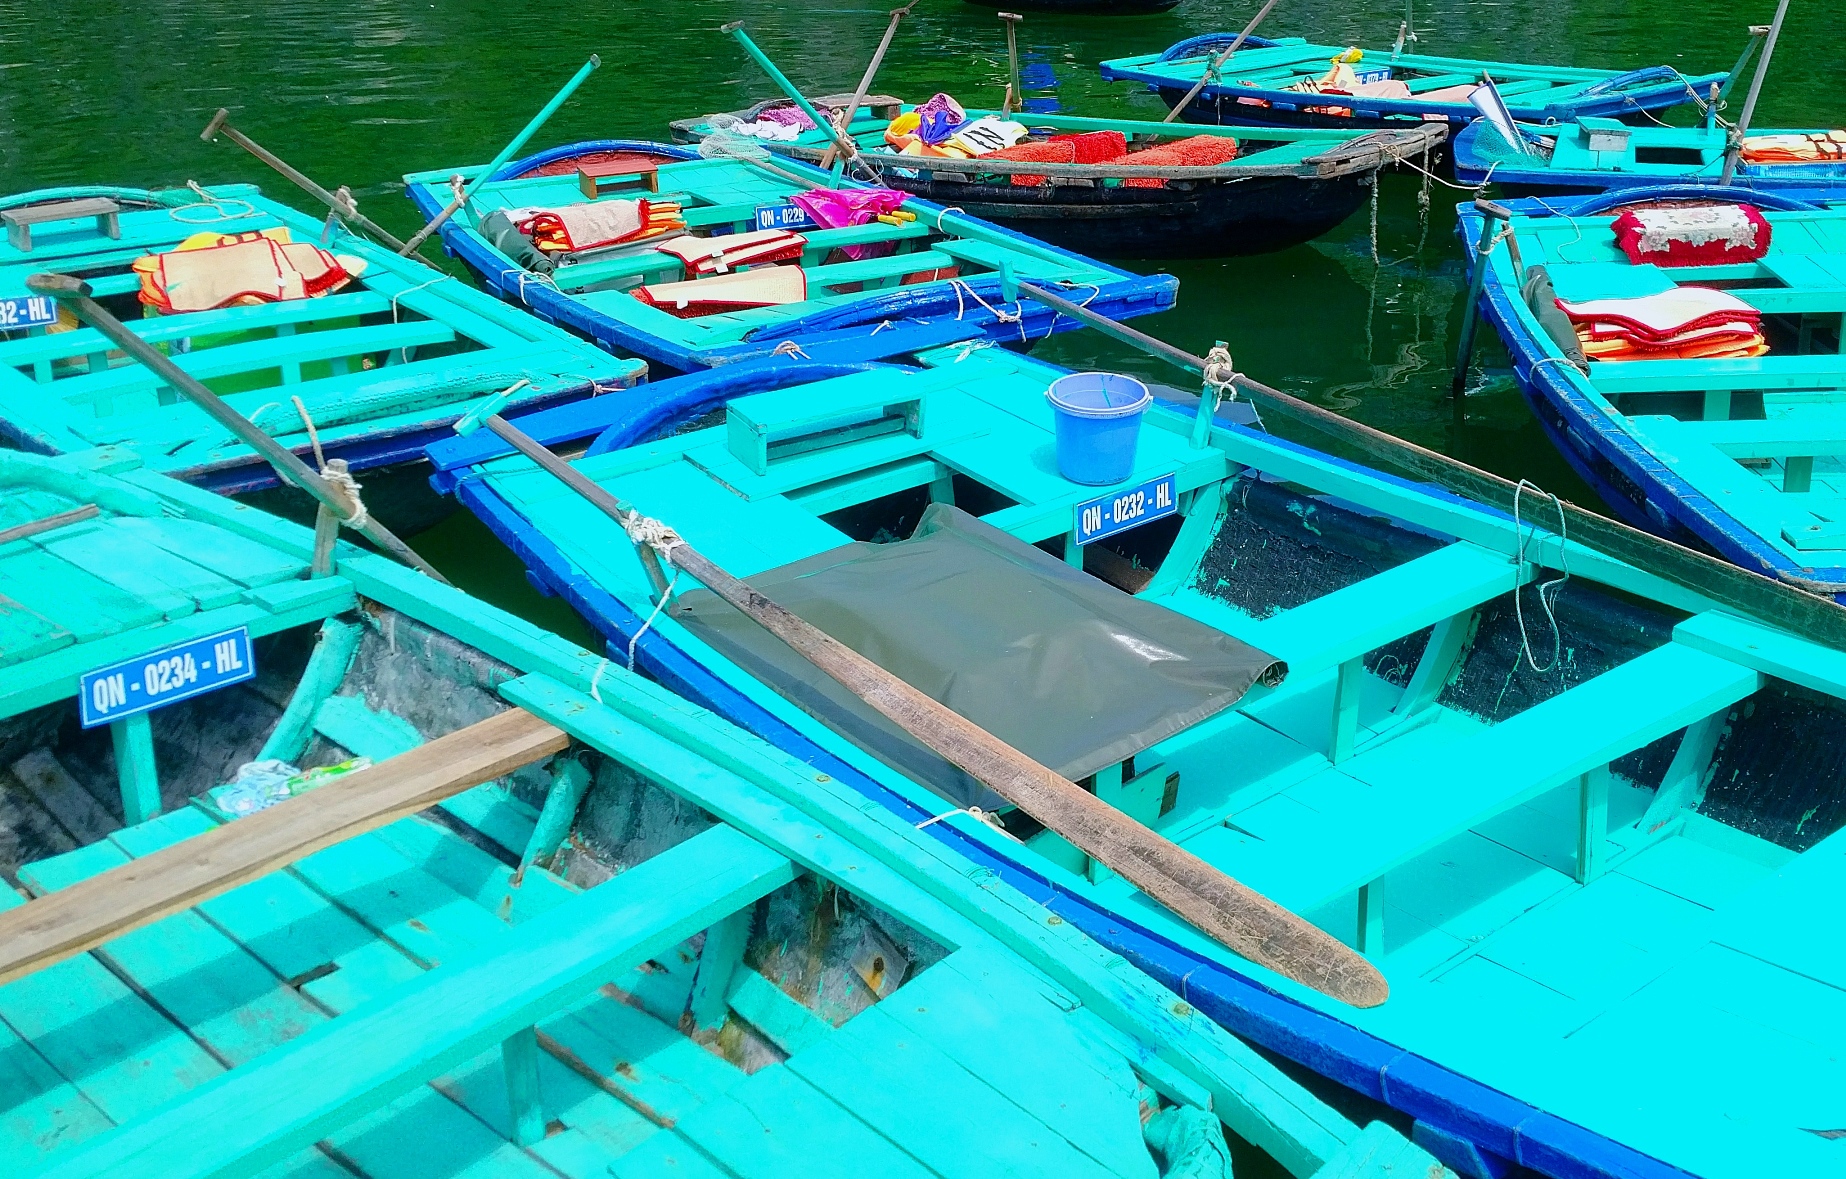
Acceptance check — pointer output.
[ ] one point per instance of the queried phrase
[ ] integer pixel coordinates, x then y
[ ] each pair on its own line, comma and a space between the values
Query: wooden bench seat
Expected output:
19, 222
302, 1091
895, 266
1378, 812
1769, 373
1440, 588
97, 388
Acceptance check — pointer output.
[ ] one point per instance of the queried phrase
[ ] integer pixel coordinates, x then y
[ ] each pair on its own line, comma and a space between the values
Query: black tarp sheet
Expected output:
1065, 668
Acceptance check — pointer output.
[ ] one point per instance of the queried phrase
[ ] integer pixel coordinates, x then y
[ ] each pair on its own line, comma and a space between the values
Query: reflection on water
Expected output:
361, 93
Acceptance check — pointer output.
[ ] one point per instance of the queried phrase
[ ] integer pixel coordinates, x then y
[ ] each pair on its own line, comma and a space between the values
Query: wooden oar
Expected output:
1228, 912
1775, 602
75, 293
221, 122
1735, 150
841, 140
1217, 63
865, 87
1011, 21
506, 153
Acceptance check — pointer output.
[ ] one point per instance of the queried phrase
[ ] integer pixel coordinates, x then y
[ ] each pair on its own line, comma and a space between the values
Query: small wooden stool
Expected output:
602, 175
19, 222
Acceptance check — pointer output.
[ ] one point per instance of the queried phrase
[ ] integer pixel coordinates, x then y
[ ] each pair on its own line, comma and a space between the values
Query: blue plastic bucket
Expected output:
1099, 421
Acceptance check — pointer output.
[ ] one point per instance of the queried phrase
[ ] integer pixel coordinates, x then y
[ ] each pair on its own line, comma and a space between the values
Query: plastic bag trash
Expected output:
260, 785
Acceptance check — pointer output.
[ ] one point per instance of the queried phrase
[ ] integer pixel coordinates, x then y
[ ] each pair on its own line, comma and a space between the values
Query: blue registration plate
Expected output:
783, 217
28, 311
162, 677
1122, 510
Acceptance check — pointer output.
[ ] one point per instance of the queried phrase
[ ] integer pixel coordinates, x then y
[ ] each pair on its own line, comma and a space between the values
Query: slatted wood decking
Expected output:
399, 352
422, 997
1541, 919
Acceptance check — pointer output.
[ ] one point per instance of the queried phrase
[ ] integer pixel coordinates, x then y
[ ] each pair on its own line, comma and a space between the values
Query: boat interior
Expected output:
392, 348
1762, 438
1570, 811
653, 965
1638, 153
1286, 61
708, 308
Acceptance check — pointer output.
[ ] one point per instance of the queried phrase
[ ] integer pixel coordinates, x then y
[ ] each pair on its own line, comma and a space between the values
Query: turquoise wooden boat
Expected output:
1738, 456
943, 275
1253, 86
1285, 187
380, 366
652, 945
1590, 888
1594, 155
669, 951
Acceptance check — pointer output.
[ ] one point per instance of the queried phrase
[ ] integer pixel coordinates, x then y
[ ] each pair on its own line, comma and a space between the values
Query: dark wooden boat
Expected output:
1085, 7
1285, 187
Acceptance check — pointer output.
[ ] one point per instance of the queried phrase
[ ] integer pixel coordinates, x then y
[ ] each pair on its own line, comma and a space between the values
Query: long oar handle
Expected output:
1756, 88
1776, 602
506, 153
865, 83
76, 293
221, 124
1217, 63
1011, 21
841, 140
1236, 916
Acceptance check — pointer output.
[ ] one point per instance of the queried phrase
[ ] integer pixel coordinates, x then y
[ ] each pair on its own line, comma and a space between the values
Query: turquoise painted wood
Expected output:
1741, 456
411, 1003
1500, 864
400, 351
1599, 154
937, 266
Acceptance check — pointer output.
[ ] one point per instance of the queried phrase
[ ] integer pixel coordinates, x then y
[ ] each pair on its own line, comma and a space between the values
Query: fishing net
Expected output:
723, 143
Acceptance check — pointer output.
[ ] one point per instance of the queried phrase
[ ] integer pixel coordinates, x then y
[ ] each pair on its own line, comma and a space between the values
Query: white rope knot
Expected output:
1220, 374
335, 472
790, 348
655, 534
456, 185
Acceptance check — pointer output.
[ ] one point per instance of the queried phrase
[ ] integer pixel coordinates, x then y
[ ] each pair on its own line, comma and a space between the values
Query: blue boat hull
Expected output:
1636, 485
1132, 295
1474, 167
1453, 1112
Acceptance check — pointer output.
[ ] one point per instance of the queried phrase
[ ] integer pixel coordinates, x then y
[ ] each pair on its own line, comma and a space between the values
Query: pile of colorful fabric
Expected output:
1686, 323
1108, 147
210, 270
723, 254
1678, 233
941, 128
570, 228
1819, 147
839, 208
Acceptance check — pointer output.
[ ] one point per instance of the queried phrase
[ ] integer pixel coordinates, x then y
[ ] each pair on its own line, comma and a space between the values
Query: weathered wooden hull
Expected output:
1188, 219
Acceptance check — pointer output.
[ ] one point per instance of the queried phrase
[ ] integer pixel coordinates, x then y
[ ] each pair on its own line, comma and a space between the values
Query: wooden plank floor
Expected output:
946, 1077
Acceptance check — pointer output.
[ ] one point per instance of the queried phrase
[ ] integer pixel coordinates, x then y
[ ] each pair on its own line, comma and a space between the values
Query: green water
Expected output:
359, 94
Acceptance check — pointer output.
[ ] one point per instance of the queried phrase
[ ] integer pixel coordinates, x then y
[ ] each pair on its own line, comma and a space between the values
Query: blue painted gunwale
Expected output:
1474, 165
1603, 93
1368, 1064
1643, 489
396, 437
1129, 295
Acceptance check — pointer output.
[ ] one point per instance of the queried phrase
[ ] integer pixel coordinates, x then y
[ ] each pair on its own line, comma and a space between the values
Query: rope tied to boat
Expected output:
1000, 314
1547, 591
219, 207
1220, 375
975, 813
790, 348
334, 471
